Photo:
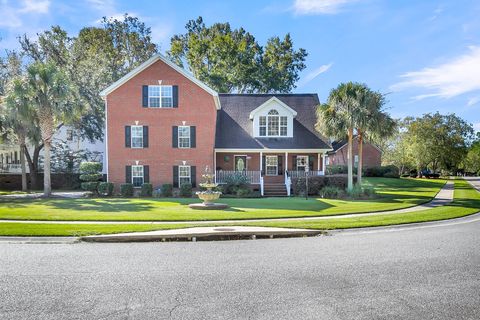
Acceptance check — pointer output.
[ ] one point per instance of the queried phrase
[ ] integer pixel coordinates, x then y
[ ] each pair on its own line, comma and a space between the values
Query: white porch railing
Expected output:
11, 168
252, 176
303, 174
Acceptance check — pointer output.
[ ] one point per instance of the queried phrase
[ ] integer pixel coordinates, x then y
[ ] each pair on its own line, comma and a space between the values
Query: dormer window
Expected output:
273, 125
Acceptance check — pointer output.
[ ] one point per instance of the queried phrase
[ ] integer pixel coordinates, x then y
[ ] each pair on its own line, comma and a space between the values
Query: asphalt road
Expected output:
428, 273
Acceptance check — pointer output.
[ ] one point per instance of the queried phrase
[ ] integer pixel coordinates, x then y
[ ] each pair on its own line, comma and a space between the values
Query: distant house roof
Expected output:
235, 128
339, 144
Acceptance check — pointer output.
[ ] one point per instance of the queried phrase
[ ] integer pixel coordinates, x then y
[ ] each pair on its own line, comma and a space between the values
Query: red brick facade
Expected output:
196, 107
372, 156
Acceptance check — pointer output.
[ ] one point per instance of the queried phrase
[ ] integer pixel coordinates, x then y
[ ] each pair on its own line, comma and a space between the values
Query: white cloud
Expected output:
473, 101
319, 6
315, 73
35, 6
13, 13
476, 126
450, 79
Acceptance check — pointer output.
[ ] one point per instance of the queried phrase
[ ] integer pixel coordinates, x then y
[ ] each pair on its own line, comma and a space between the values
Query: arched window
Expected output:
273, 125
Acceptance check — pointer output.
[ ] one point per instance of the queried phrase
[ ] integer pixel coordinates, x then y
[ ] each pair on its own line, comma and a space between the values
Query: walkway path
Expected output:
474, 181
443, 197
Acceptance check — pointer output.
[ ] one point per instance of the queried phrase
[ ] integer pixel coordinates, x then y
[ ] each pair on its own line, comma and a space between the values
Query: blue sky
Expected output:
424, 54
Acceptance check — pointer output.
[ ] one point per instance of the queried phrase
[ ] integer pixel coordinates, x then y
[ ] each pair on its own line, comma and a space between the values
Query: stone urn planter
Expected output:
208, 196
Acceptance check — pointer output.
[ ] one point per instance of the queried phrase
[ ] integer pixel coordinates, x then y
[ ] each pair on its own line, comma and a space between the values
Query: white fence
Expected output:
303, 174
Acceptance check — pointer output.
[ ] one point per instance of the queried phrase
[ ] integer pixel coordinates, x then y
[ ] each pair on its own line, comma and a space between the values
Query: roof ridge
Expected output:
267, 94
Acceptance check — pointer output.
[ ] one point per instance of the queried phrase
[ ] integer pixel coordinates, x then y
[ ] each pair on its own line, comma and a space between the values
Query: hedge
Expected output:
105, 188
382, 171
315, 184
146, 190
126, 190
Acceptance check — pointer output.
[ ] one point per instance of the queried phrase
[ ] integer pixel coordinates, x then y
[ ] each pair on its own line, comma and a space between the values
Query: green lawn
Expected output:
466, 202
393, 194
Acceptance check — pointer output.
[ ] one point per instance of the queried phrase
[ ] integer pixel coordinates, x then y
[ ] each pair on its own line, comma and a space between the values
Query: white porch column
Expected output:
324, 163
215, 165
318, 161
286, 161
261, 177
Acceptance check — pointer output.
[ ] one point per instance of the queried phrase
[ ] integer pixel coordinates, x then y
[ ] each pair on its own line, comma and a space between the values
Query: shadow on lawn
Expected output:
101, 205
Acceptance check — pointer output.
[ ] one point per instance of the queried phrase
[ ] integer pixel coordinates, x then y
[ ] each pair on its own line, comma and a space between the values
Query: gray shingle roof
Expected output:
234, 128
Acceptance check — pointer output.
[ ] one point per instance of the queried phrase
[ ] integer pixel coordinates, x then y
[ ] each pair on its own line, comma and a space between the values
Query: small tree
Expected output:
91, 175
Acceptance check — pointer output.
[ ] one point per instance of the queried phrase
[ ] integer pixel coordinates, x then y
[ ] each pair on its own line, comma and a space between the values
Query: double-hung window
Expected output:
262, 121
160, 96
283, 126
302, 163
137, 136
184, 137
137, 176
273, 123
271, 165
184, 175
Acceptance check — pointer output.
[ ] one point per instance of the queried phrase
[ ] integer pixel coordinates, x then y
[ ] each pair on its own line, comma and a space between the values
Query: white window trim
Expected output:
131, 137
160, 97
189, 137
306, 162
266, 166
143, 174
180, 176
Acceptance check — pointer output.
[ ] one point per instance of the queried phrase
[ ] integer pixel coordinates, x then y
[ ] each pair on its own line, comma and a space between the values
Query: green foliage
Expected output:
389, 171
186, 190
234, 182
331, 192
126, 190
167, 190
105, 188
336, 169
90, 175
244, 192
233, 61
89, 186
315, 184
146, 190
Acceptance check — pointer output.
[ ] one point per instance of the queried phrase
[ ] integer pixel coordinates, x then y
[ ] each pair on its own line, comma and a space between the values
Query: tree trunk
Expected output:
22, 164
33, 165
47, 185
349, 159
360, 158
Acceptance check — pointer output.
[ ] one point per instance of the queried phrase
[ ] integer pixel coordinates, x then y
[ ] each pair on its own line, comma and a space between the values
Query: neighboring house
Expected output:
165, 126
372, 155
10, 154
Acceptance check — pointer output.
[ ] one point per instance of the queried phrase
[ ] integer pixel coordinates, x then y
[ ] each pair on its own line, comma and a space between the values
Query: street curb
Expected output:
38, 240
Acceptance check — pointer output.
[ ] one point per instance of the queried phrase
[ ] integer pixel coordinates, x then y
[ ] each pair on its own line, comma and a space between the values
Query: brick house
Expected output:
165, 126
372, 155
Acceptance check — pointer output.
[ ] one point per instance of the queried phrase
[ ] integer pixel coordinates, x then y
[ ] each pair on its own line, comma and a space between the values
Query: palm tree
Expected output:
338, 118
372, 121
45, 94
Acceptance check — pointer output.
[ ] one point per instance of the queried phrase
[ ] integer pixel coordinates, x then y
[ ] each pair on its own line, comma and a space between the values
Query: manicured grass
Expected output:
393, 194
466, 202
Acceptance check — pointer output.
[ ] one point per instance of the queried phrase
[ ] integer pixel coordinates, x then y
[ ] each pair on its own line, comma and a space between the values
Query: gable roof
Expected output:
273, 99
171, 64
234, 127
339, 144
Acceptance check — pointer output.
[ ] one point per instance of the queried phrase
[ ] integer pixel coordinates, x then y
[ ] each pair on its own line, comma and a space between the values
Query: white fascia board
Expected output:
171, 64
273, 99
273, 150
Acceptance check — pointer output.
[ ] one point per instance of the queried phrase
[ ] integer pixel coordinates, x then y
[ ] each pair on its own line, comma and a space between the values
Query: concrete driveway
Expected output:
427, 273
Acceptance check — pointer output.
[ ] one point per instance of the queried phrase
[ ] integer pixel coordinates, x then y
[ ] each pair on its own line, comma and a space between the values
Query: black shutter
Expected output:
145, 96
294, 163
175, 96
146, 174
193, 176
128, 136
264, 165
145, 136
175, 137
280, 165
193, 137
175, 176
311, 161
128, 174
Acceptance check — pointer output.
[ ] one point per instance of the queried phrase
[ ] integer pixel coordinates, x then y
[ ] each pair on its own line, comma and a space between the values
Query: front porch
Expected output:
269, 169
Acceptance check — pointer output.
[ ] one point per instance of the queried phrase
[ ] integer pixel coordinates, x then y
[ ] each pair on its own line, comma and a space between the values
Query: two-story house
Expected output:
165, 126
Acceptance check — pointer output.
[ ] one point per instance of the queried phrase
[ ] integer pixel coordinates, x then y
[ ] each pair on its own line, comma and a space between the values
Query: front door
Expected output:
240, 163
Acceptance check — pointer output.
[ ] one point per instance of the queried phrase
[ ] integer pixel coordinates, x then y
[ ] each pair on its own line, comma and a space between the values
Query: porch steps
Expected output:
274, 190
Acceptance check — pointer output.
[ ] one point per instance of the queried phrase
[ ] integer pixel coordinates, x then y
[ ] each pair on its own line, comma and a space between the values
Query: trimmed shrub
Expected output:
90, 175
389, 171
157, 193
126, 190
315, 184
146, 190
105, 188
331, 192
167, 190
413, 173
234, 182
186, 190
243, 192
336, 169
